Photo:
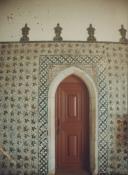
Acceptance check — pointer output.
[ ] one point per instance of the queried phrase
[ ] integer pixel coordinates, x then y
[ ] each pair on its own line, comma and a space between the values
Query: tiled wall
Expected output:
24, 85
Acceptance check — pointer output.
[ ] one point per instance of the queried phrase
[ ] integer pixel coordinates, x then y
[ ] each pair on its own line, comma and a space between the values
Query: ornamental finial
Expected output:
58, 29
91, 31
123, 32
25, 33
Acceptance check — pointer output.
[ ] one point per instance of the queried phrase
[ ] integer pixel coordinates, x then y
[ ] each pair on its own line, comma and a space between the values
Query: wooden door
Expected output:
72, 125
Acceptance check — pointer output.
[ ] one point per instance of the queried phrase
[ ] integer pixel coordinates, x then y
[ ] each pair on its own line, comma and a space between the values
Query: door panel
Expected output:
72, 125
72, 105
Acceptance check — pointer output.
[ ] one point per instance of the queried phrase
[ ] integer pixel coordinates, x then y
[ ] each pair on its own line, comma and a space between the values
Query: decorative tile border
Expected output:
45, 62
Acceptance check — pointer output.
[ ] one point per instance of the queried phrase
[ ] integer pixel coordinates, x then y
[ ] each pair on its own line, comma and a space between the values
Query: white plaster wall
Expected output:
73, 15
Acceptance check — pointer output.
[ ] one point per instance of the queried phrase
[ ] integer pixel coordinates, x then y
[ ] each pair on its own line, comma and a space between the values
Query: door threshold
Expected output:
72, 173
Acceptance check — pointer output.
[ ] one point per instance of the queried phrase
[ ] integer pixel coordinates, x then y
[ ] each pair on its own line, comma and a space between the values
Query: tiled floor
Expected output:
73, 173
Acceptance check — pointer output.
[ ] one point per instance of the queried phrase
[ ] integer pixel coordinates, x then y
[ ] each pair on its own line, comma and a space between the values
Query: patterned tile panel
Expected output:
21, 114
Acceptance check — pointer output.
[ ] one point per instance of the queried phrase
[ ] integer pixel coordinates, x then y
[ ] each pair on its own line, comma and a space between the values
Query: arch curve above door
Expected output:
92, 115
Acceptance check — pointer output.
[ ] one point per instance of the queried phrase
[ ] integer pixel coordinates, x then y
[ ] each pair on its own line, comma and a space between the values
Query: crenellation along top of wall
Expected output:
59, 42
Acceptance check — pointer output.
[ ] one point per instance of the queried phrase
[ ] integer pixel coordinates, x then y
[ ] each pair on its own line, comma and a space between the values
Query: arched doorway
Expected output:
93, 111
72, 127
